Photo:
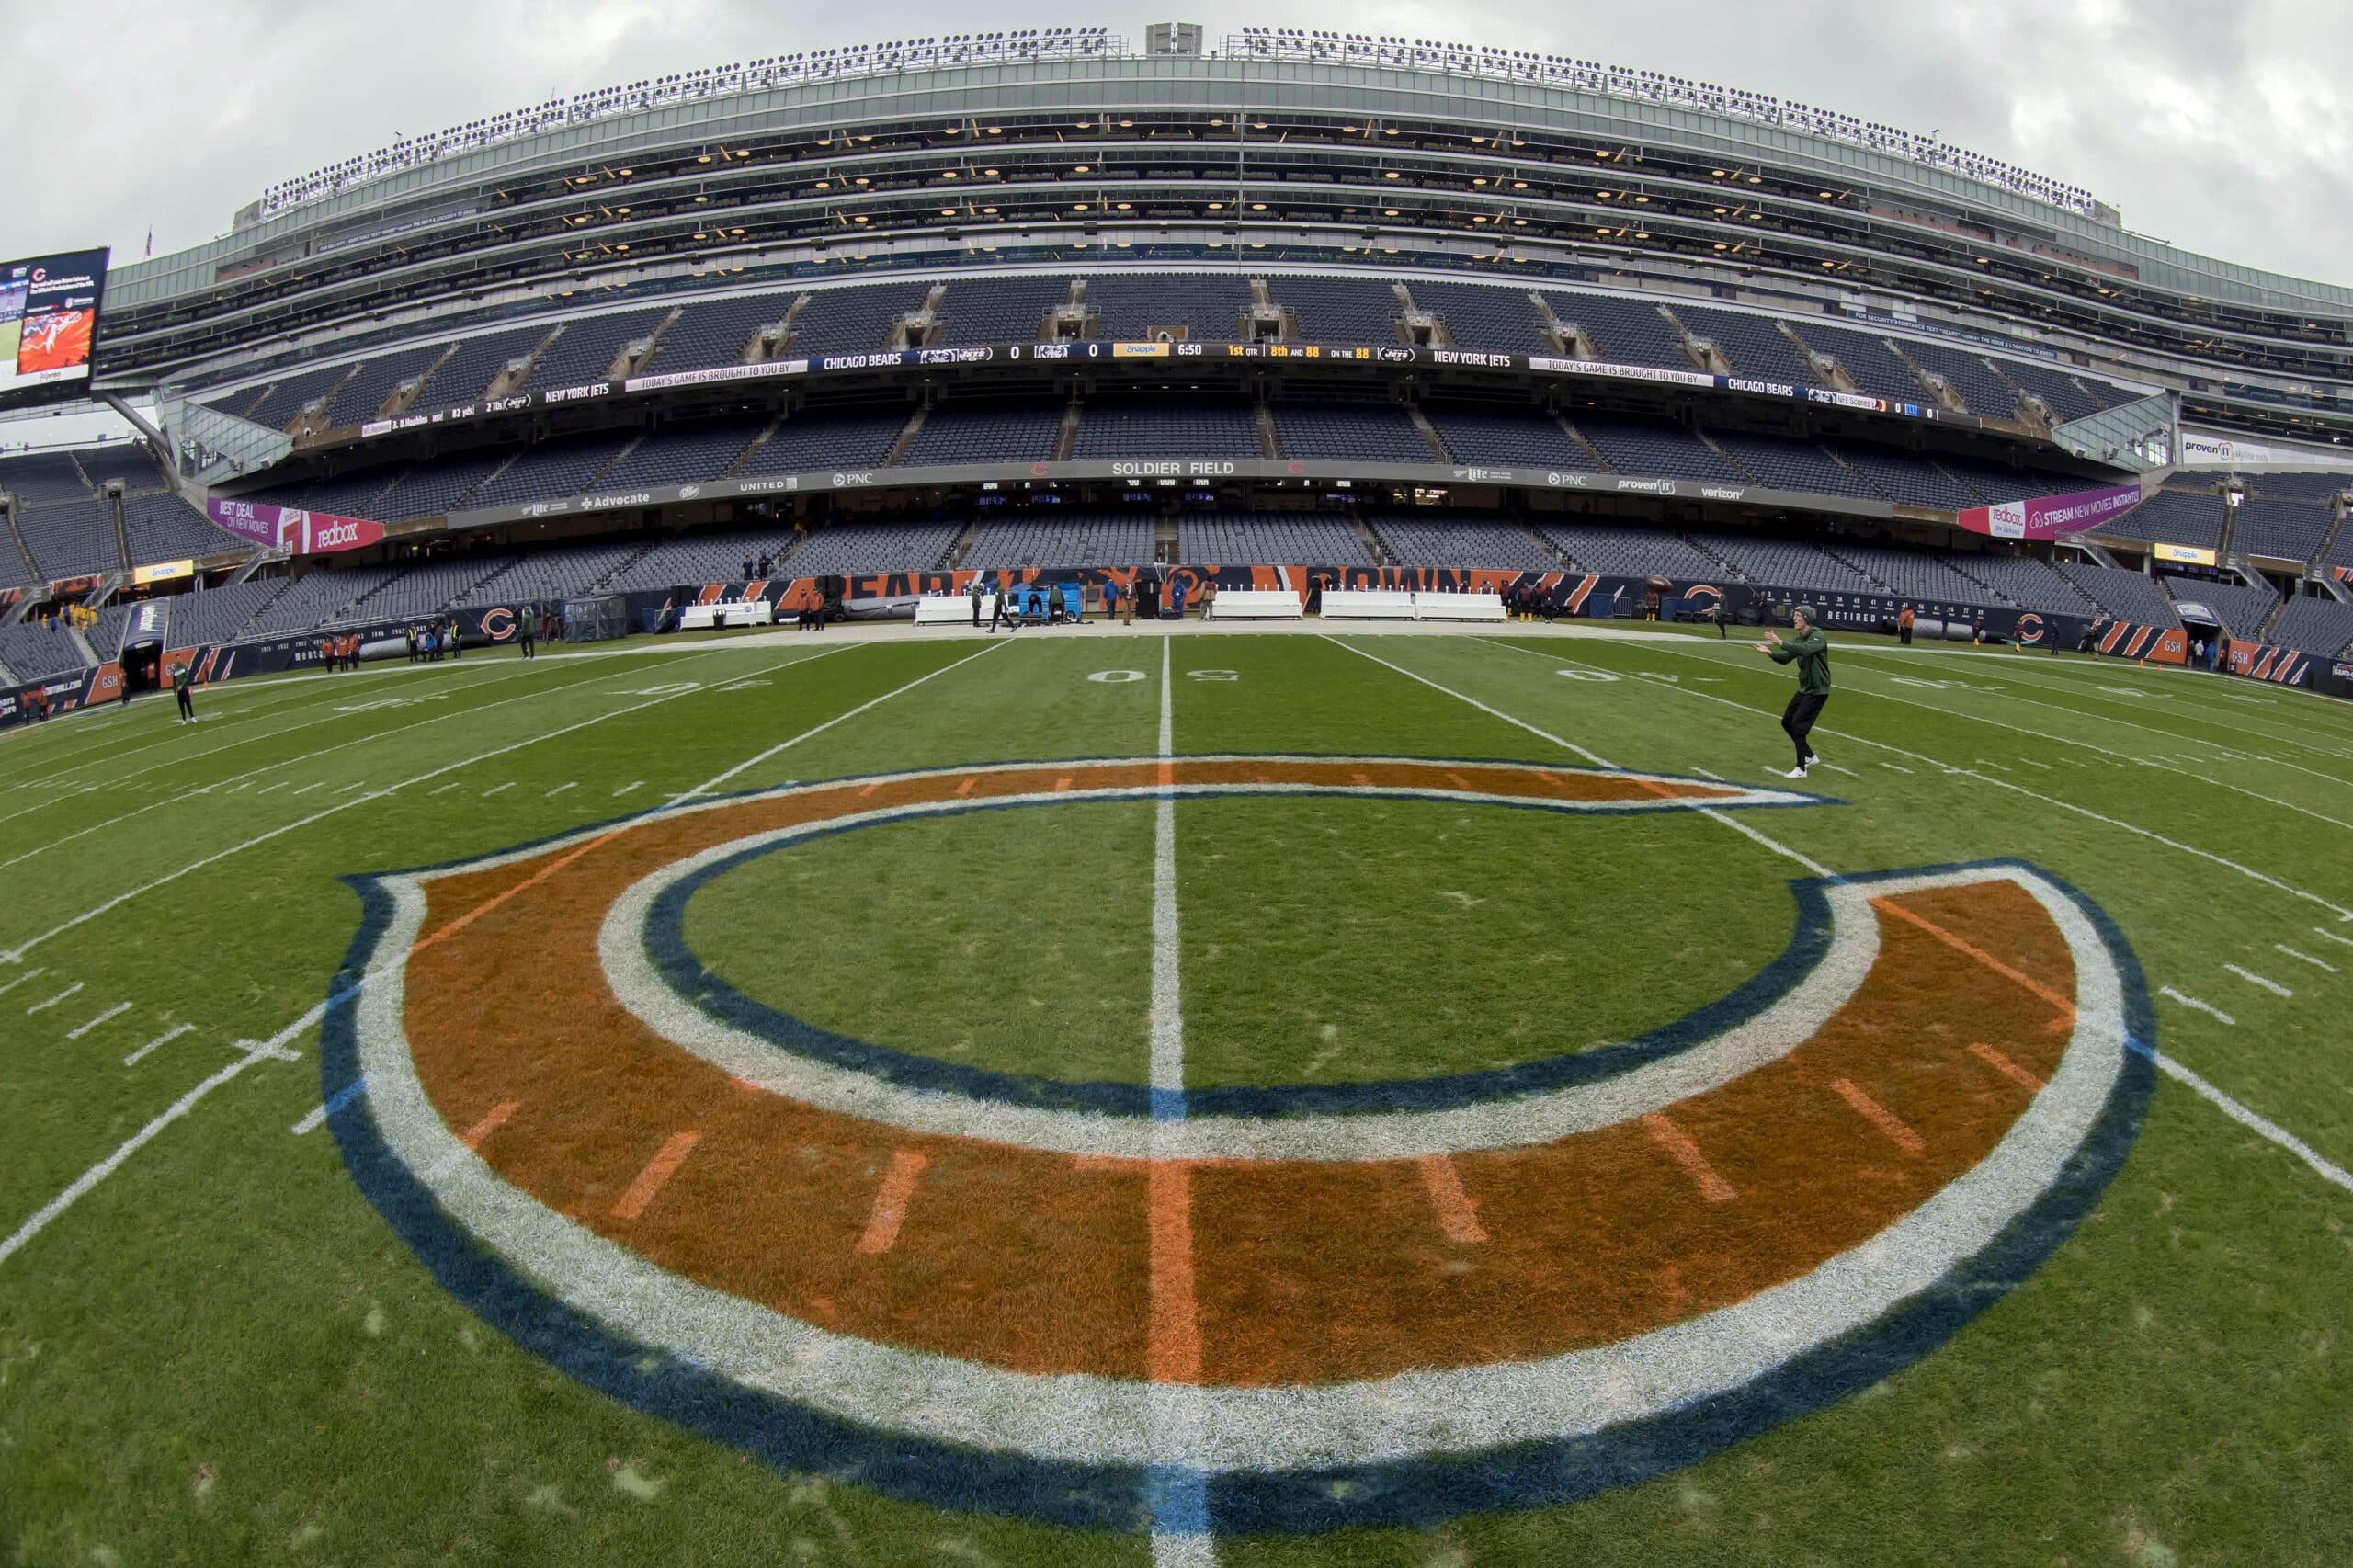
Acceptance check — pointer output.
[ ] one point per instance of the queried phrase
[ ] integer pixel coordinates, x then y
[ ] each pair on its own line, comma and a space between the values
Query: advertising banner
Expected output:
2051, 517
293, 531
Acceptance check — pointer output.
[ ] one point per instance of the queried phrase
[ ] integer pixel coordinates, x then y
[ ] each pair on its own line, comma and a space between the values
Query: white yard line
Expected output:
2135, 828
179, 1108
1167, 1005
162, 1040
709, 784
2254, 979
276, 1046
2246, 1118
17, 953
2206, 1008
118, 1010
1816, 866
1177, 1495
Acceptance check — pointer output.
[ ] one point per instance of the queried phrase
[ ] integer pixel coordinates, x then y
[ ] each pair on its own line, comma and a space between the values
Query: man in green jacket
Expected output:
1811, 649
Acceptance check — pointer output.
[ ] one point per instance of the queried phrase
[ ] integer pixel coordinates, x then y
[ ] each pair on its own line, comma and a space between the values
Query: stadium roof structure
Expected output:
990, 151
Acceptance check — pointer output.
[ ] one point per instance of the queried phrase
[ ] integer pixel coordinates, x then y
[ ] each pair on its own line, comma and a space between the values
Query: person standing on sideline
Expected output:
182, 679
455, 649
1111, 598
1811, 649
1904, 626
526, 629
973, 591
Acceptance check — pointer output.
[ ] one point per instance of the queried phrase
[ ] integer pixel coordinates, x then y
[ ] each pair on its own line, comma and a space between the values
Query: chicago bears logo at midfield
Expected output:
1244, 1310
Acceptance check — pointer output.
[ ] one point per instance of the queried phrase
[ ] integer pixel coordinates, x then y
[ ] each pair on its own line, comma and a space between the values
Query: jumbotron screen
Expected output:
49, 325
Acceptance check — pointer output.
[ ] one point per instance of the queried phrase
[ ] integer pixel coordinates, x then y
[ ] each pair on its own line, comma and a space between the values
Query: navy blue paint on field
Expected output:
665, 945
1416, 1492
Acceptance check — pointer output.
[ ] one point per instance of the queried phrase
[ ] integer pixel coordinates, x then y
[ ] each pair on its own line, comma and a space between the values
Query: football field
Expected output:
1111, 1096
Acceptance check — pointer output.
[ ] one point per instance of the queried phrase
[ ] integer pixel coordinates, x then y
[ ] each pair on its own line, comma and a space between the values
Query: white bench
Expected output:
727, 612
1453, 607
1255, 604
946, 610
1367, 604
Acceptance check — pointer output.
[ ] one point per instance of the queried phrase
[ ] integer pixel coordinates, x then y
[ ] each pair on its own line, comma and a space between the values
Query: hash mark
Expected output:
1675, 1141
490, 1124
658, 1170
2306, 958
2253, 979
2206, 1008
2005, 1067
891, 1201
1879, 1116
1457, 1215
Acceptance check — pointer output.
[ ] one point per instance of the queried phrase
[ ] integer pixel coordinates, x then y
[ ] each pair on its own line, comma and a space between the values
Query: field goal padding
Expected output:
602, 619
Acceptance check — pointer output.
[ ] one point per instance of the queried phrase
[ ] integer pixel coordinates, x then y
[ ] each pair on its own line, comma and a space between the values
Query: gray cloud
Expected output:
2221, 127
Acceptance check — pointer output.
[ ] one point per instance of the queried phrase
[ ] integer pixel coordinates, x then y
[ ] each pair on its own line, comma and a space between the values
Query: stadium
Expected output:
1025, 798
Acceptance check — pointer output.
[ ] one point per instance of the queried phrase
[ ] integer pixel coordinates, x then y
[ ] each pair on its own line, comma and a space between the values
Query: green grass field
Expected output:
215, 1348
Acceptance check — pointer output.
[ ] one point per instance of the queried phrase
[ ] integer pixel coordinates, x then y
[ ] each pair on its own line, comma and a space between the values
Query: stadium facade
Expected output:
1045, 302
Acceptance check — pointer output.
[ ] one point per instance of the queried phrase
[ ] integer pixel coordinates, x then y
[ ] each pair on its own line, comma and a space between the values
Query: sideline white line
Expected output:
2253, 979
709, 784
2206, 1008
2303, 958
114, 1012
2246, 1118
165, 1039
1733, 822
2081, 811
17, 953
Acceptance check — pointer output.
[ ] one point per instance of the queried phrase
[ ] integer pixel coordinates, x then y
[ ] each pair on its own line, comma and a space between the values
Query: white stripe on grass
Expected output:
1733, 822
2135, 828
2195, 1005
17, 953
2325, 1169
2301, 956
2254, 979
708, 785
118, 1010
164, 1039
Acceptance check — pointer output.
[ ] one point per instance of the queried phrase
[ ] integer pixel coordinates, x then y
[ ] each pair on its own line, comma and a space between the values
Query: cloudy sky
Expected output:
2223, 127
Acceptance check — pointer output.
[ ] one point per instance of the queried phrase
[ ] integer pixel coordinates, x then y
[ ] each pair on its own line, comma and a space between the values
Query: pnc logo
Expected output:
980, 1288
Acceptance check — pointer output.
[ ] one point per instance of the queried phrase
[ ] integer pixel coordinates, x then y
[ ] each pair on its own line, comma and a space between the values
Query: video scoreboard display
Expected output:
49, 325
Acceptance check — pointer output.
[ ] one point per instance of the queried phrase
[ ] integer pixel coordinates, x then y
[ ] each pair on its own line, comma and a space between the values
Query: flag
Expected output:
150, 240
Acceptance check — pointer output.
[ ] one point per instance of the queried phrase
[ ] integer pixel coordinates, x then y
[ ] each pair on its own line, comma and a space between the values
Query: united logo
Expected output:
1243, 1310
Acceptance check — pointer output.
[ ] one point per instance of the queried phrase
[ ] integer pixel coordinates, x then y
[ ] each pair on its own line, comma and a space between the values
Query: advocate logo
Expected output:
1671, 1243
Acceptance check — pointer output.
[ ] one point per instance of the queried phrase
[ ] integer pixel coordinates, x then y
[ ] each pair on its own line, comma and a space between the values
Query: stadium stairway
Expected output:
17, 538
1373, 542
